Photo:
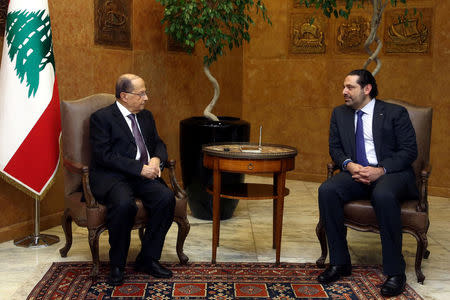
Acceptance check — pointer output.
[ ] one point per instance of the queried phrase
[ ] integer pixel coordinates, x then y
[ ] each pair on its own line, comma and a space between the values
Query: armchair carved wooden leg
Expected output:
422, 244
66, 222
94, 235
180, 216
183, 230
426, 253
321, 235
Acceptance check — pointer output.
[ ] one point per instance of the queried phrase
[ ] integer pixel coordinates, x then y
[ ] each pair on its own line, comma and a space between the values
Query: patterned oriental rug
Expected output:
71, 280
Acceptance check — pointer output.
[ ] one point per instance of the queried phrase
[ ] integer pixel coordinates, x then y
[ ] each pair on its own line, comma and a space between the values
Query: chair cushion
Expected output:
97, 216
361, 213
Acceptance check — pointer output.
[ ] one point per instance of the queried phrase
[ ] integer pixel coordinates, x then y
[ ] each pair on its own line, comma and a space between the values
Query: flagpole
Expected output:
36, 240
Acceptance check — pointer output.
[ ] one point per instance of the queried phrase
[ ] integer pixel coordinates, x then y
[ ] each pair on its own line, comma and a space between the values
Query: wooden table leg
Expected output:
281, 180
274, 213
216, 210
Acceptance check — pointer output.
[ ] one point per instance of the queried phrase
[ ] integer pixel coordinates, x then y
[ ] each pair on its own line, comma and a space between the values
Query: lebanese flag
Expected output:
30, 120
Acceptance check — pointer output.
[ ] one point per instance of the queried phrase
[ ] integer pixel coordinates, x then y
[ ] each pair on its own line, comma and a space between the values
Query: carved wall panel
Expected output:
112, 19
352, 34
307, 35
3, 12
408, 34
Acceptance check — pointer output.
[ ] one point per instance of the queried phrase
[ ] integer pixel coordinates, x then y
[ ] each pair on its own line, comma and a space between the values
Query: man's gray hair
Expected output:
124, 84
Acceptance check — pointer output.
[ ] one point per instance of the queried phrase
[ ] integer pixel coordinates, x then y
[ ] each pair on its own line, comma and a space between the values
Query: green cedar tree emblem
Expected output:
29, 36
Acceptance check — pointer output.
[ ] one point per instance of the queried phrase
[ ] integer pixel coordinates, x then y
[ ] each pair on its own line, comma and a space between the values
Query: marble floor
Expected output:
247, 237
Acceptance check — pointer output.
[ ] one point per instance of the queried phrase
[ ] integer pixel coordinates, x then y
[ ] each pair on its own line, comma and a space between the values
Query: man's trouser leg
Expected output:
388, 191
333, 194
121, 211
159, 201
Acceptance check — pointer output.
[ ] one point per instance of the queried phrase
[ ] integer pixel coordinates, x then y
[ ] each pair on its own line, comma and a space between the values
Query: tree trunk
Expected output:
378, 8
207, 112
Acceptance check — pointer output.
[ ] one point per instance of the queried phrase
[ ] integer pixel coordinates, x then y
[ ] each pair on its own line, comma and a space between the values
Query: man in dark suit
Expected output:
127, 157
374, 143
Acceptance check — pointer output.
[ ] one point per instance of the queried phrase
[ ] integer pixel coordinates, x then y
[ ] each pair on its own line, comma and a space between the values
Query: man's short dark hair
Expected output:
365, 78
123, 84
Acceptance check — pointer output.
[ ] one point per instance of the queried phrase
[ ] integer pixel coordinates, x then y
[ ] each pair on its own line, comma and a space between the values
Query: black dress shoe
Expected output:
115, 276
393, 286
154, 268
333, 273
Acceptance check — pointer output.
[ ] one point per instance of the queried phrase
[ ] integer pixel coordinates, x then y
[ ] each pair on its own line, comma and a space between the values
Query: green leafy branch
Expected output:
217, 23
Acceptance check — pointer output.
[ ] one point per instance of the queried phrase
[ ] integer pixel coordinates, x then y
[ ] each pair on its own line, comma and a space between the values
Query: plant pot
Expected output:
195, 132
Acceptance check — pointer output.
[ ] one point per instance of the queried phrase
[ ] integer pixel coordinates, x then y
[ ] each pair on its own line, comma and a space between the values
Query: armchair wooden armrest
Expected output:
91, 202
83, 170
331, 168
422, 206
74, 166
179, 192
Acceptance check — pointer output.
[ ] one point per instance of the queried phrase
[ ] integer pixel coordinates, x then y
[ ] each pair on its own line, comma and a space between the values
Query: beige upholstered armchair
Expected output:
360, 215
91, 214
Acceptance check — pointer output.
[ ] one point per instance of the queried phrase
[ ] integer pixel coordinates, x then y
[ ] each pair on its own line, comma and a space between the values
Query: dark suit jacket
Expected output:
114, 148
393, 134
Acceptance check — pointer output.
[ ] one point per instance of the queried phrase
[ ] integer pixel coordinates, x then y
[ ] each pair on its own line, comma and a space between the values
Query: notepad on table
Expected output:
251, 149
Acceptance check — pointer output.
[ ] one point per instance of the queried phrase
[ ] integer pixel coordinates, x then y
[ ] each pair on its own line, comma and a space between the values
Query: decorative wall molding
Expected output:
307, 34
112, 23
408, 34
352, 34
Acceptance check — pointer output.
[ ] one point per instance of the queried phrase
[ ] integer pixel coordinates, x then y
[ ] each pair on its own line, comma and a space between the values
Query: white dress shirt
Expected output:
367, 119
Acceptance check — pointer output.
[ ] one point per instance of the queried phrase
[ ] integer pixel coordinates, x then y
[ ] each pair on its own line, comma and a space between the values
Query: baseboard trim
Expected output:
26, 228
439, 191
306, 176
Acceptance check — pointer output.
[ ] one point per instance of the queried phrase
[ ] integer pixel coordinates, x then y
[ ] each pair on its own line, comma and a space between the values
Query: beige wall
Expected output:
291, 96
176, 83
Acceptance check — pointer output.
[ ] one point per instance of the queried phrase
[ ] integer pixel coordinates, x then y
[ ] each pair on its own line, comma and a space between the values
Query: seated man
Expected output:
374, 143
126, 158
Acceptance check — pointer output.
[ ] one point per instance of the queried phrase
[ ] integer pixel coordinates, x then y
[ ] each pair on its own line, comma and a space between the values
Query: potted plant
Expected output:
216, 25
329, 8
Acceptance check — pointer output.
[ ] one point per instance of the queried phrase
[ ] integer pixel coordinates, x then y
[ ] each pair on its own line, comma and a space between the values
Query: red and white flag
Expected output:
30, 120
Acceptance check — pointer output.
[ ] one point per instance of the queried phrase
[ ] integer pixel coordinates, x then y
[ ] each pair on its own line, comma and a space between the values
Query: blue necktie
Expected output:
361, 157
139, 140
